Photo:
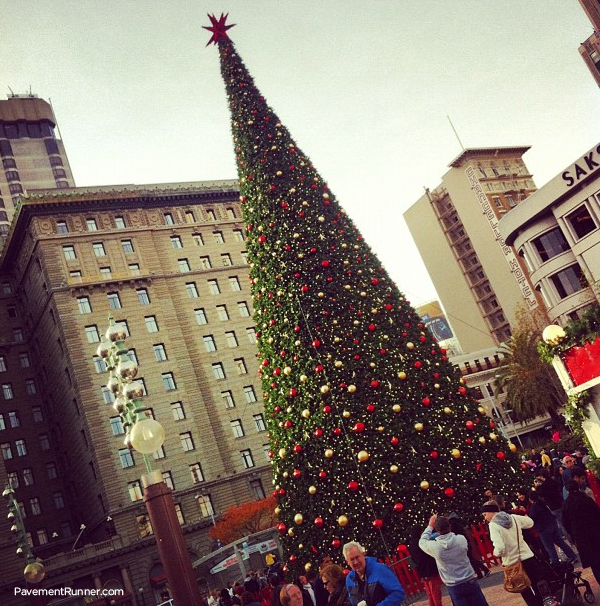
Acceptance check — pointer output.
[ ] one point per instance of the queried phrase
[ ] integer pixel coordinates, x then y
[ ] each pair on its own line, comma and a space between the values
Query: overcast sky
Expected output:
364, 87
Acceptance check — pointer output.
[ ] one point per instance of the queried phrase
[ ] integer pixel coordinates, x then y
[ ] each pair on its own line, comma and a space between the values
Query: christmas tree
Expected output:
370, 428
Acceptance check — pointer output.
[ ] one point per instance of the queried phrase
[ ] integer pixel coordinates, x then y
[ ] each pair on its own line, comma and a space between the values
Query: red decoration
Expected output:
583, 363
398, 507
316, 343
281, 527
318, 432
297, 449
449, 492
359, 428
336, 543
296, 474
370, 407
500, 455
377, 523
293, 393
353, 486
288, 424
319, 522
374, 384
470, 424
434, 454
394, 441
426, 401
322, 475
218, 28
261, 239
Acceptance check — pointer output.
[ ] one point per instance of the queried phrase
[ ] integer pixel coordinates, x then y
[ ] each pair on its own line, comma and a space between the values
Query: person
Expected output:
506, 533
450, 554
291, 595
567, 473
308, 594
548, 531
334, 581
248, 599
276, 586
458, 527
546, 460
321, 593
580, 476
536, 459
581, 517
251, 583
426, 567
369, 580
225, 597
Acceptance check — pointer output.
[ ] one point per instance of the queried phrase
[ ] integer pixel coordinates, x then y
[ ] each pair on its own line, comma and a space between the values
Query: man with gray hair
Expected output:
451, 556
369, 581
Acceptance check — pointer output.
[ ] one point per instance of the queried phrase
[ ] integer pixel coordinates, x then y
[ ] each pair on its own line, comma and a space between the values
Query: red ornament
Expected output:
353, 486
377, 523
293, 393
426, 401
500, 455
325, 263
318, 368
319, 522
470, 424
372, 327
374, 281
374, 384
326, 409
304, 288
265, 362
370, 407
322, 475
418, 364
281, 527
462, 390
434, 454
262, 239
297, 449
296, 473
292, 558
398, 507
316, 343
282, 491
336, 543
449, 492
277, 372
337, 431
394, 441
358, 428
288, 424
318, 432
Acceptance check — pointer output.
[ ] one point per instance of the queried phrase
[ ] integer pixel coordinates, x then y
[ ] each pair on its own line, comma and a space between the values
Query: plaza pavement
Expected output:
493, 590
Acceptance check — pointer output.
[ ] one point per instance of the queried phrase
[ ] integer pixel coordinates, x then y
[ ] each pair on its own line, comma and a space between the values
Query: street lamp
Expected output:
146, 436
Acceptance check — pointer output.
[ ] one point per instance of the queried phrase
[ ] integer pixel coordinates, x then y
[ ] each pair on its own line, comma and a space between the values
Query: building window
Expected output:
237, 428
160, 353
196, 471
6, 451
198, 239
135, 491
240, 366
134, 269
169, 381
127, 246
151, 324
187, 442
200, 316
550, 244
218, 370
228, 399
51, 473
107, 395
59, 502
34, 505
189, 217
28, 479
105, 273
251, 333
62, 227
143, 296
213, 287
17, 334
238, 235
22, 448
259, 421
38, 416
6, 288
7, 391
231, 339
159, 454
568, 281
12, 311
91, 224
243, 309
222, 312
91, 333
218, 236
120, 222
69, 252
257, 489
192, 290
226, 260
13, 419
84, 305
177, 411
123, 324
116, 424
144, 526
581, 221
244, 256
30, 387
209, 343
44, 441
169, 219
230, 213
13, 479
205, 505
183, 265
114, 302
99, 250
234, 284
3, 363
247, 459
250, 394
210, 215
176, 242
168, 479
126, 457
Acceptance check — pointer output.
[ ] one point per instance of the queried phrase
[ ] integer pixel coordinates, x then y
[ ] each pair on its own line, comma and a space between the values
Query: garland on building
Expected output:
371, 429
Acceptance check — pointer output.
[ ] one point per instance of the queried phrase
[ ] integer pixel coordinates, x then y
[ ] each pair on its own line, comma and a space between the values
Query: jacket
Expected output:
339, 597
425, 564
380, 587
504, 529
451, 556
581, 518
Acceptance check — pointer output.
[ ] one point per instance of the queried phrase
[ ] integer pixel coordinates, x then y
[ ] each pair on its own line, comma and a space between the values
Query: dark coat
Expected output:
321, 594
425, 565
339, 597
581, 518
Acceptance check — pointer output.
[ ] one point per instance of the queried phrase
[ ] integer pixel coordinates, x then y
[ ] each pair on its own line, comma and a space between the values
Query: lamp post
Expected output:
146, 436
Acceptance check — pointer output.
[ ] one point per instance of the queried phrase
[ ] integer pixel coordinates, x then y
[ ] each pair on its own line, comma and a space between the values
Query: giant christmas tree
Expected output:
370, 429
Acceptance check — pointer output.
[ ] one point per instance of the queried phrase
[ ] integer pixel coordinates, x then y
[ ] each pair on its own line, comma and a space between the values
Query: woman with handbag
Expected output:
522, 570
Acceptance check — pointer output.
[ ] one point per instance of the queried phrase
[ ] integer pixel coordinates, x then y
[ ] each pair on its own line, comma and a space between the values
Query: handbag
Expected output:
516, 579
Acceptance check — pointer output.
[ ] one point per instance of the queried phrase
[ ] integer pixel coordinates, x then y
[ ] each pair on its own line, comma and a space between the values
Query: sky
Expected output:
365, 89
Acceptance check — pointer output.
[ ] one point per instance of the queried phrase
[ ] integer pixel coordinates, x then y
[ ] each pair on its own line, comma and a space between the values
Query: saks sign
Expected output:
585, 166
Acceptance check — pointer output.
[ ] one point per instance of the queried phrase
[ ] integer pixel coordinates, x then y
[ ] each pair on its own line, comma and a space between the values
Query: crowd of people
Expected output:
541, 526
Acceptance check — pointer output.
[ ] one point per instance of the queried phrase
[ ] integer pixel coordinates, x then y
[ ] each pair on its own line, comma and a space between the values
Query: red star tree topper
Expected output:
370, 427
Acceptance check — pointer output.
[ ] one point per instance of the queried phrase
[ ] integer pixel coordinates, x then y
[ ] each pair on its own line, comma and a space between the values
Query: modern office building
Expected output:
167, 262
556, 231
590, 48
480, 281
33, 155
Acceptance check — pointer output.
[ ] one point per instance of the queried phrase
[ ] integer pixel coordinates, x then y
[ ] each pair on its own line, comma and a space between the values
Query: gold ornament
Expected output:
307, 566
351, 388
298, 519
306, 413
338, 363
410, 345
381, 428
285, 474
394, 469
419, 426
328, 453
312, 490
324, 388
402, 375
436, 385
346, 414
342, 521
493, 436
455, 453
287, 370
424, 485
512, 447
396, 408
482, 440
291, 532
282, 453
363, 456
448, 410
303, 378
277, 510
481, 410
320, 295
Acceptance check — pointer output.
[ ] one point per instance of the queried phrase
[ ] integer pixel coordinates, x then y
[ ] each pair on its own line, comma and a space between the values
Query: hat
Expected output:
490, 507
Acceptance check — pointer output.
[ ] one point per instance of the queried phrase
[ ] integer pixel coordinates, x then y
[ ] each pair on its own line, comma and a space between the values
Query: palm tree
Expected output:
532, 385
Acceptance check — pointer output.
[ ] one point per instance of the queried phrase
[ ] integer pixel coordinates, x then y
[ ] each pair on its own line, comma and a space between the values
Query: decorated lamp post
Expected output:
146, 436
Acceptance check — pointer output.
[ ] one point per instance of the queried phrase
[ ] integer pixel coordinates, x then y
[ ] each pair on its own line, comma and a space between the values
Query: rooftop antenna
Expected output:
12, 93
456, 134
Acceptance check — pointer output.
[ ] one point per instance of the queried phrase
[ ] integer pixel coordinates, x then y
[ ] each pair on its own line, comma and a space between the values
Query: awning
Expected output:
159, 580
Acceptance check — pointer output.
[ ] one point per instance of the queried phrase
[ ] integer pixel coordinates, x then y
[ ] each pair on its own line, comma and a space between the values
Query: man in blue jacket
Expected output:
370, 582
